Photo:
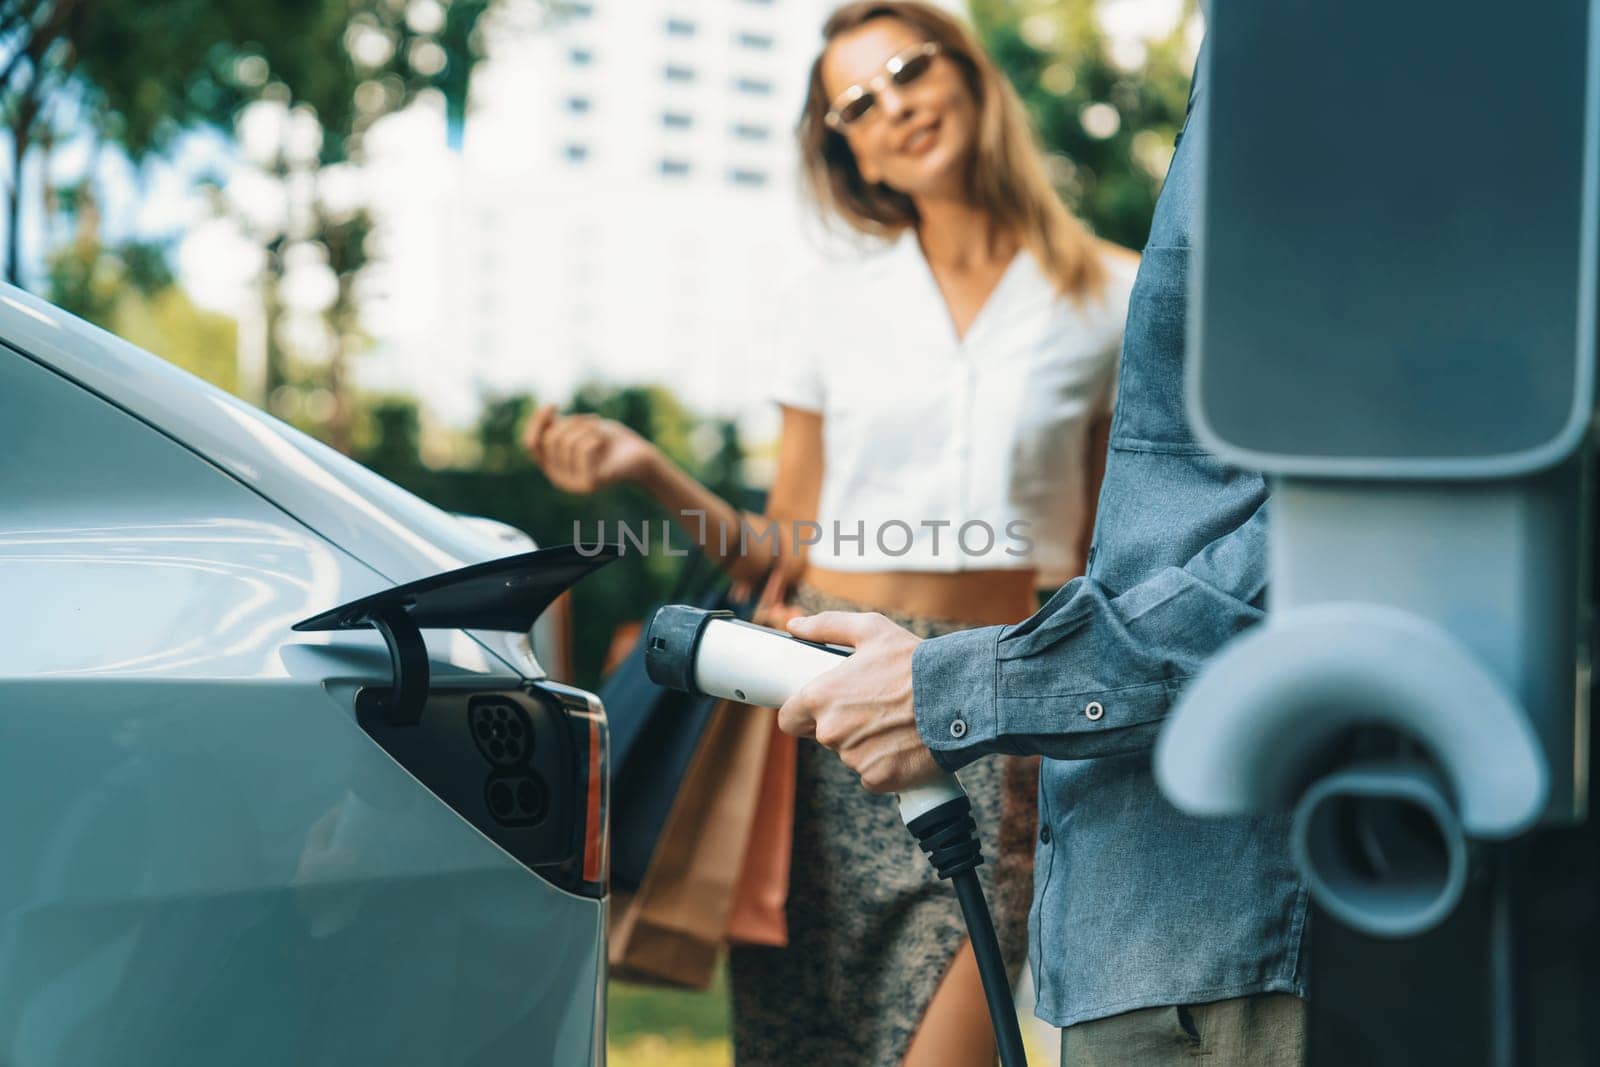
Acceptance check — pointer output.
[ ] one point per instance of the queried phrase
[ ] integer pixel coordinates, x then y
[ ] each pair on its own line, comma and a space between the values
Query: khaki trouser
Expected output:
1261, 1031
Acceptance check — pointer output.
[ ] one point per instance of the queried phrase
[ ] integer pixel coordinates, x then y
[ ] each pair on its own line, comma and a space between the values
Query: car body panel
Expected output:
206, 859
397, 534
170, 902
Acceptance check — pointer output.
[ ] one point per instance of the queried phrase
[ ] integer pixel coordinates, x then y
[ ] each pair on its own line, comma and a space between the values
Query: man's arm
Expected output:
1088, 674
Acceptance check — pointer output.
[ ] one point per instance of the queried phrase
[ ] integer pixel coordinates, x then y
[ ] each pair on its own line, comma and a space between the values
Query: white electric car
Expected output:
377, 838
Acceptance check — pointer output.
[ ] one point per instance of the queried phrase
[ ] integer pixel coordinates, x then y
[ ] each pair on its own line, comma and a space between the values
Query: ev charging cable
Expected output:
713, 653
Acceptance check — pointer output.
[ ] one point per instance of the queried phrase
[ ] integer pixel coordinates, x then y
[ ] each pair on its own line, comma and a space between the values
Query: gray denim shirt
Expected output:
1135, 904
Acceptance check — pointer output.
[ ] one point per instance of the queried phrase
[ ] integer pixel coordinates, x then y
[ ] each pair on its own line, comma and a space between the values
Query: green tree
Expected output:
1109, 127
396, 433
136, 72
118, 290
499, 433
128, 289
168, 324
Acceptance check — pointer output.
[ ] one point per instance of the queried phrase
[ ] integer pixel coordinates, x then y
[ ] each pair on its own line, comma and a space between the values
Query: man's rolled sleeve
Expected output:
1089, 674
953, 687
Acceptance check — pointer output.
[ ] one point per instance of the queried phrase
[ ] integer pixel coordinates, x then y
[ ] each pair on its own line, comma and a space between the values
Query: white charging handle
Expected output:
758, 665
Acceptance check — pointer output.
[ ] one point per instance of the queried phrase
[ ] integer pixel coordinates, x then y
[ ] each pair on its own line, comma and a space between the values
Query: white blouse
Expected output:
946, 454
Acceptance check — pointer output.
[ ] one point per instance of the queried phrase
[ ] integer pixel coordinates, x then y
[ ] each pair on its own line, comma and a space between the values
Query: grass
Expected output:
649, 1026
655, 1051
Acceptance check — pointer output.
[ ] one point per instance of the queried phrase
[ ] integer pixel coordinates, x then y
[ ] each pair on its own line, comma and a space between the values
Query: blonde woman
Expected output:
937, 397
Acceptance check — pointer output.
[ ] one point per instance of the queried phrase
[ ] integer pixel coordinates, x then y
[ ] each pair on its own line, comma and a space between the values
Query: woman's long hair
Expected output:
1006, 176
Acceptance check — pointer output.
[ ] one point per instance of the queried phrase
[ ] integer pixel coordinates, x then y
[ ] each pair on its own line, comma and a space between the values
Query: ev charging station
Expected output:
1394, 290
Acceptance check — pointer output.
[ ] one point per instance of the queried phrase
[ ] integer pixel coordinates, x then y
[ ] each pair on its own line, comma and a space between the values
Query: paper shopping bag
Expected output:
759, 900
673, 928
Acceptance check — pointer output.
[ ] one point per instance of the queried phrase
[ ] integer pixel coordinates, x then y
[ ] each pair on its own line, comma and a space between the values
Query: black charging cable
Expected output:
949, 836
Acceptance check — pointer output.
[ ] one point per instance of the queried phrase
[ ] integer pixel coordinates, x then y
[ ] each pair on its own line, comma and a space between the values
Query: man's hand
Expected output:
862, 708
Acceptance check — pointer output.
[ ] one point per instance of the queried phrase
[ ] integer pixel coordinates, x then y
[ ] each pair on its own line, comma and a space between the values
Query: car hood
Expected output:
395, 533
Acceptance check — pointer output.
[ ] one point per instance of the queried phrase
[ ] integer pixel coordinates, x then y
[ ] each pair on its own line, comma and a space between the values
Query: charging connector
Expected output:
709, 652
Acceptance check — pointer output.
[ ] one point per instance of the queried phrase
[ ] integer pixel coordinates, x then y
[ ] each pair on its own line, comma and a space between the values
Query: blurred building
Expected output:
624, 207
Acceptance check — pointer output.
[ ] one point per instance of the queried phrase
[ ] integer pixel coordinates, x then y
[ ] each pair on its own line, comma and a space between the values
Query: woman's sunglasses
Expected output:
902, 68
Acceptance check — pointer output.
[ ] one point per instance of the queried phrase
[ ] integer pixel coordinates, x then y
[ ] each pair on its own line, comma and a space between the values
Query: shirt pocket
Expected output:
1151, 415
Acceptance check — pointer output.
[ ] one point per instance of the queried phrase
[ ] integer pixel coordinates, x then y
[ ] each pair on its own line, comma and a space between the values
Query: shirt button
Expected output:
1044, 833
958, 729
1093, 711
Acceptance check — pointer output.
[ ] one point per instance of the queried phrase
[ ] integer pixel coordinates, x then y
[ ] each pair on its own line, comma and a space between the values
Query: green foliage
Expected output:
137, 72
505, 485
128, 289
395, 436
1110, 181
161, 320
146, 69
346, 241
687, 1016
168, 324
500, 431
457, 40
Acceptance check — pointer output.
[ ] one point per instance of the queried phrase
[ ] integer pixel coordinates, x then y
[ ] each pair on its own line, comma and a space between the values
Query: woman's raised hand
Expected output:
585, 453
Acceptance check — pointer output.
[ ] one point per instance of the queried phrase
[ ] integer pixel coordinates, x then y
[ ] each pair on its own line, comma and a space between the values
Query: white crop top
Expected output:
943, 454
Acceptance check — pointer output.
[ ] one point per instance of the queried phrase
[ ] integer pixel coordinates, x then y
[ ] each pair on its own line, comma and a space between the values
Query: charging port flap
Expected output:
502, 594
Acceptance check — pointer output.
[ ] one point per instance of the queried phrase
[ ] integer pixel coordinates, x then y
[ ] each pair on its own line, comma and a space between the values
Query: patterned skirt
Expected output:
871, 927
